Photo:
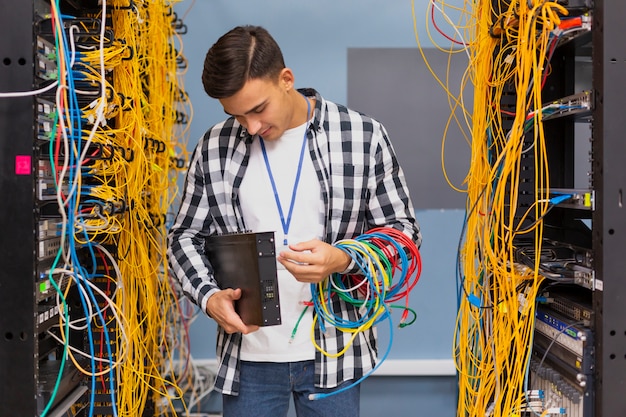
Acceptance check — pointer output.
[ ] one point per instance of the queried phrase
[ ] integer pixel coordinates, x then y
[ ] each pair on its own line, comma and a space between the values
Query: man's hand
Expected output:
221, 307
312, 261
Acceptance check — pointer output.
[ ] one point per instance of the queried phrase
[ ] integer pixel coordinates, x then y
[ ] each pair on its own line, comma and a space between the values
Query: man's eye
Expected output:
259, 110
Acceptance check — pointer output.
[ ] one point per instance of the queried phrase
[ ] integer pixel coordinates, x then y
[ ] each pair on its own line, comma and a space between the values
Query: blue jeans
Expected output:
265, 388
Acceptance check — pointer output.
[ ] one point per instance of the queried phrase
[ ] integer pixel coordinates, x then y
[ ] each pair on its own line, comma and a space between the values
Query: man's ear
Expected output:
286, 79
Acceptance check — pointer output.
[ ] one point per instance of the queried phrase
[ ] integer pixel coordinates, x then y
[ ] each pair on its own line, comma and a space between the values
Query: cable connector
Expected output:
536, 393
560, 198
474, 300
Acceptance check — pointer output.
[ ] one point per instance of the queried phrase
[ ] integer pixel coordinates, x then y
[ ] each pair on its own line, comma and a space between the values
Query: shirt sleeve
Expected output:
390, 203
186, 237
387, 202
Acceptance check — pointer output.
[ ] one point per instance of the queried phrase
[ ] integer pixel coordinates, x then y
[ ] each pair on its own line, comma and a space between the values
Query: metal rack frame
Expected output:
609, 217
18, 307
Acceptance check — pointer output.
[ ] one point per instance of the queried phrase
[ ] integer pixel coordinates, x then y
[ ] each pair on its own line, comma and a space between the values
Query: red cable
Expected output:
432, 14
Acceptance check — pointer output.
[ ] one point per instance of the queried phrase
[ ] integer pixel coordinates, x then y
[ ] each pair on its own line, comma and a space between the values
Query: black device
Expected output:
248, 261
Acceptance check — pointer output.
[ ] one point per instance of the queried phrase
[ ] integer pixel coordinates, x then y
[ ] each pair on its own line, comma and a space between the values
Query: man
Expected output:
315, 172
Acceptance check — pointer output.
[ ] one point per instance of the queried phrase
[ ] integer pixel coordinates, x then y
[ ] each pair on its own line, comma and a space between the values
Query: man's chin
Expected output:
268, 134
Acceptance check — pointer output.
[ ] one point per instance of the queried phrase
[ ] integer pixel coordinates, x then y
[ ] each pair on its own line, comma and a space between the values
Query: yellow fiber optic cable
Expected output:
508, 47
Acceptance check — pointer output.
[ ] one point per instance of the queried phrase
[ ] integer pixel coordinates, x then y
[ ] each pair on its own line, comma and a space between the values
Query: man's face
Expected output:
263, 106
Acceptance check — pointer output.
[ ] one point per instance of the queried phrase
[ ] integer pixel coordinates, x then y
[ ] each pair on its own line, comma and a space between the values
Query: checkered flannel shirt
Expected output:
362, 187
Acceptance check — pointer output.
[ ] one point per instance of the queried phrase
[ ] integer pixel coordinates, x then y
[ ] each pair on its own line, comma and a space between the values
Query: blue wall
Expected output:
315, 37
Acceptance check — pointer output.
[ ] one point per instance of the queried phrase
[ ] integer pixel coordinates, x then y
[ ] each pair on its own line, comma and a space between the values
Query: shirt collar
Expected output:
317, 112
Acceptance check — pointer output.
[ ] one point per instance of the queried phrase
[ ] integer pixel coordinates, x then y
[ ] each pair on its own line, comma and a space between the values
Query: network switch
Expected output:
248, 261
558, 391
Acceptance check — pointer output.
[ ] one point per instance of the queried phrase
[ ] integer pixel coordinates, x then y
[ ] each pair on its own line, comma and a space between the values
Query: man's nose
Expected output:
253, 125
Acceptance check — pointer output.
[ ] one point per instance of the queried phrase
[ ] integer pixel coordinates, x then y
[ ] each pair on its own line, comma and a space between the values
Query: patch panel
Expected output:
45, 60
48, 248
45, 118
559, 392
571, 303
47, 316
44, 169
47, 189
48, 228
575, 198
44, 288
579, 104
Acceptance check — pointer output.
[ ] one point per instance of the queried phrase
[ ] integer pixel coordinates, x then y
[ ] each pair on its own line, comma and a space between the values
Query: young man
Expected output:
315, 172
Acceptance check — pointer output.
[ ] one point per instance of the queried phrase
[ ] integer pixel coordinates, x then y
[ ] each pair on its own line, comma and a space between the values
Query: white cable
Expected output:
88, 304
91, 315
29, 93
199, 382
80, 352
445, 16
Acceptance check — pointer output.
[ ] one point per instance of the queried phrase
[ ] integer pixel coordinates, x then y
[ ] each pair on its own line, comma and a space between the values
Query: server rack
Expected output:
591, 229
38, 378
551, 88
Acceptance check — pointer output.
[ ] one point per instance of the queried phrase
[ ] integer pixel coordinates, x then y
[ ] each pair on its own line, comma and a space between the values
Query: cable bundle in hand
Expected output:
382, 255
390, 265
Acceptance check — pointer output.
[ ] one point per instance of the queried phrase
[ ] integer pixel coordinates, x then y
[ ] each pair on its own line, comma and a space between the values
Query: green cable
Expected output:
409, 309
295, 328
67, 338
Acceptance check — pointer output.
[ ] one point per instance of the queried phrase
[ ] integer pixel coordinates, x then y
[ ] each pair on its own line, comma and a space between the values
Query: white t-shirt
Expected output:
260, 211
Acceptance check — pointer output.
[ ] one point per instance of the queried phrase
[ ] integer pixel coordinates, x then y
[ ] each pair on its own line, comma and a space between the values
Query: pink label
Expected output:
22, 164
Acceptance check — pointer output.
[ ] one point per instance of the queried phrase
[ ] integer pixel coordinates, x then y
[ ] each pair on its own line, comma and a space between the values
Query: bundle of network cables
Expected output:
389, 265
111, 126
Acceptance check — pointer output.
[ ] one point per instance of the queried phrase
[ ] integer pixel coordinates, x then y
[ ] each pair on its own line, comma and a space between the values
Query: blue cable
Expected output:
381, 294
74, 132
560, 198
367, 374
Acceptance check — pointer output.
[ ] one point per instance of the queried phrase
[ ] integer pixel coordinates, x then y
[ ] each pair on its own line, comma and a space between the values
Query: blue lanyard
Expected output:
297, 180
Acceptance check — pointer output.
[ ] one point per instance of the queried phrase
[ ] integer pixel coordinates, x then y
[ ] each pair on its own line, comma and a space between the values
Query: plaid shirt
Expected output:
362, 187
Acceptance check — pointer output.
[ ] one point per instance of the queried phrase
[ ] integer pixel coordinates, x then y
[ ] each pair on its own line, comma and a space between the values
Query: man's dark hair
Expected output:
242, 54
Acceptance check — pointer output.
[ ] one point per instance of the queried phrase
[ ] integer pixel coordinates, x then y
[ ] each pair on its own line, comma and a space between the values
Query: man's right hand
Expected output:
221, 307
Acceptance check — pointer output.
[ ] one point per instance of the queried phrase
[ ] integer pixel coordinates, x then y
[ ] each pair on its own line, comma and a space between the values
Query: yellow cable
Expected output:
496, 310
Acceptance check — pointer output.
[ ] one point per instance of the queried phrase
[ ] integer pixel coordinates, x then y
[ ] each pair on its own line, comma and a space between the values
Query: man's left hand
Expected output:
312, 261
